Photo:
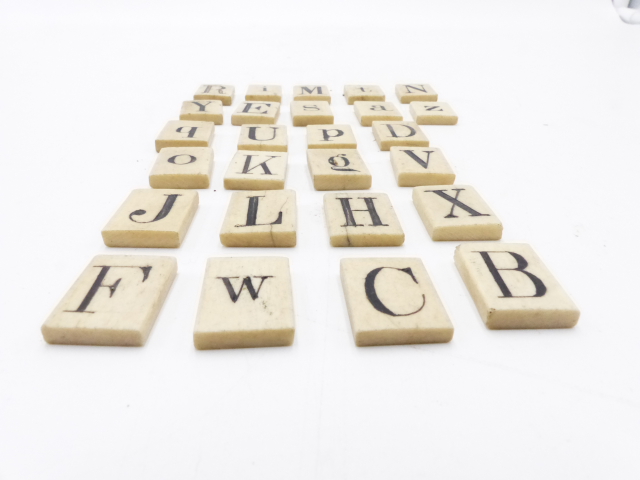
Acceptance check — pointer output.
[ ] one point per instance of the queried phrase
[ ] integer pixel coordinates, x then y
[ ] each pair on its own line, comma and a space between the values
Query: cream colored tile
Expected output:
245, 302
359, 219
399, 134
182, 133
392, 301
414, 166
260, 219
512, 288
252, 170
270, 138
368, 112
256, 112
312, 92
420, 92
330, 136
115, 302
264, 93
433, 113
456, 212
182, 167
224, 93
202, 111
152, 218
356, 93
311, 113
338, 169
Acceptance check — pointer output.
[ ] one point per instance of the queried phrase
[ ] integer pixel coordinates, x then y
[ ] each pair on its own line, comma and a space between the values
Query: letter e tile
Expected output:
335, 169
256, 112
182, 167
512, 288
245, 302
250, 170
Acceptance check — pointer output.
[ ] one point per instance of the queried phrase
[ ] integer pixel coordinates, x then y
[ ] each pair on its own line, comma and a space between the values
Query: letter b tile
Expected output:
512, 288
245, 302
392, 301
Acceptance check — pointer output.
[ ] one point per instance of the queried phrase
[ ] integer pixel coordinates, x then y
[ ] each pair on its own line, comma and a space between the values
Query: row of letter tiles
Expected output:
248, 302
160, 218
406, 93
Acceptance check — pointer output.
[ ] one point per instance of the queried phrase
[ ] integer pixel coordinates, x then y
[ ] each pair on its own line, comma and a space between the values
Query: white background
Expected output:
549, 105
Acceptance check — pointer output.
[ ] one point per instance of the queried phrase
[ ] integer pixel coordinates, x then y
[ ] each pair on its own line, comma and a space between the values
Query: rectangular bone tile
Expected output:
264, 93
114, 302
224, 93
256, 112
270, 138
414, 166
152, 218
183, 133
265, 218
254, 170
398, 134
312, 92
368, 112
512, 288
357, 93
456, 212
330, 136
182, 167
338, 169
392, 301
311, 113
202, 111
420, 92
245, 302
433, 113
362, 219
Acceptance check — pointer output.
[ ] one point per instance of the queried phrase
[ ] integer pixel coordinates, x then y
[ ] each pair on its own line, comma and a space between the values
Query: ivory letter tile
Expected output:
512, 288
392, 301
202, 110
420, 92
356, 93
367, 112
330, 136
264, 93
260, 219
224, 93
456, 212
256, 112
182, 133
152, 218
399, 134
311, 113
312, 92
414, 166
182, 167
433, 113
250, 170
245, 302
115, 302
270, 138
362, 220
338, 170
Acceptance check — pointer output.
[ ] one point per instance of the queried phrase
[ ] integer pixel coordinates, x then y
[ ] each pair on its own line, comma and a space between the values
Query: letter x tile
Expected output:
269, 138
398, 134
181, 133
115, 301
245, 302
335, 169
260, 219
224, 93
512, 288
368, 112
362, 219
152, 218
202, 110
456, 212
251, 170
256, 112
182, 167
392, 301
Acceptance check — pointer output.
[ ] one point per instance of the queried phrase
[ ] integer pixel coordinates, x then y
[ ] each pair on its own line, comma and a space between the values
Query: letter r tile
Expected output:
114, 302
512, 288
224, 93
245, 302
392, 301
